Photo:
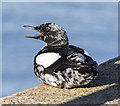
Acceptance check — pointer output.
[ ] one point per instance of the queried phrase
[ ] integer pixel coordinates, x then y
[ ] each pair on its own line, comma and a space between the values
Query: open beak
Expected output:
32, 36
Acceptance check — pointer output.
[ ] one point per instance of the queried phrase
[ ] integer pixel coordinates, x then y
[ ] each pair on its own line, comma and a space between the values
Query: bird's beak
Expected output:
32, 36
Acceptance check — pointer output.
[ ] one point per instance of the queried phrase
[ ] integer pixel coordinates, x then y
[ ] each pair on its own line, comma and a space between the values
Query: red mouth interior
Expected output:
39, 35
34, 36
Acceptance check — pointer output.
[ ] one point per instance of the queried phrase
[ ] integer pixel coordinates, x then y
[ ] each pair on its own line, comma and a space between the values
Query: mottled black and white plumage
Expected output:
60, 64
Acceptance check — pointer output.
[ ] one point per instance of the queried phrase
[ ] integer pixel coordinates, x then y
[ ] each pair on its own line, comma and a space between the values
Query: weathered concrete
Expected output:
104, 90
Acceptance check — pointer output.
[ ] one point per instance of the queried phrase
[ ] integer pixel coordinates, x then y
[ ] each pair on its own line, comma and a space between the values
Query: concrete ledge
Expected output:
104, 90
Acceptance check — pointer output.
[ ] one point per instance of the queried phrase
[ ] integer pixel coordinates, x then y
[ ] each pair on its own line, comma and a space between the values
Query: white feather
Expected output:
47, 59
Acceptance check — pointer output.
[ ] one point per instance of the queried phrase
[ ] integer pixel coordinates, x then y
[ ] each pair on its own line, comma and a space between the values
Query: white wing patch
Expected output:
47, 59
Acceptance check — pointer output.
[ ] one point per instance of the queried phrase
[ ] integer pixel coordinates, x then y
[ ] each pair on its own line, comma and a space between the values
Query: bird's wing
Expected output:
72, 57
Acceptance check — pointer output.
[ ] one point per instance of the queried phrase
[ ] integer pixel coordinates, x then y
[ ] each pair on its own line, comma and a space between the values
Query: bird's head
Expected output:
51, 33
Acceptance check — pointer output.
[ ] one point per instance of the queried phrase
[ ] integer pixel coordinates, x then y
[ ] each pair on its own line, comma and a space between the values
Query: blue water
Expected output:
92, 26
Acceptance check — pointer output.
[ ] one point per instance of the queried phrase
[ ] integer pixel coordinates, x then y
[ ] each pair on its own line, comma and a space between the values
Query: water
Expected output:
92, 26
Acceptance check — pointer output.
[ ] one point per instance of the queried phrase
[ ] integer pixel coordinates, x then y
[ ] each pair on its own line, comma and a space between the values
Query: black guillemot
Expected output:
60, 64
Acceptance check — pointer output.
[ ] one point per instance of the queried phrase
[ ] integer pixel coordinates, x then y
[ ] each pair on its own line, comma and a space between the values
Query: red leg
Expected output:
45, 83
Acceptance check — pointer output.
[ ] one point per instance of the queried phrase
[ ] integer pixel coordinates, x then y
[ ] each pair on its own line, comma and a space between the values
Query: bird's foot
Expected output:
45, 84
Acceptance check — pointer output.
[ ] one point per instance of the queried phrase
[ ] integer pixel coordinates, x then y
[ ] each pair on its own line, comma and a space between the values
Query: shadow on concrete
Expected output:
100, 97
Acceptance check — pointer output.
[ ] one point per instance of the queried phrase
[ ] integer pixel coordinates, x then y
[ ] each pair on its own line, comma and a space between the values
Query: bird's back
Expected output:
64, 66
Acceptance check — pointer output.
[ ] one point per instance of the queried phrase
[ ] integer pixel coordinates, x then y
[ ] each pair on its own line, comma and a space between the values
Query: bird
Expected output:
58, 63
